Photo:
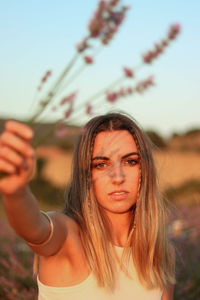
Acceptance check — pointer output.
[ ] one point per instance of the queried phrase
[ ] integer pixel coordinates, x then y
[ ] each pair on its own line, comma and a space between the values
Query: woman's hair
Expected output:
148, 242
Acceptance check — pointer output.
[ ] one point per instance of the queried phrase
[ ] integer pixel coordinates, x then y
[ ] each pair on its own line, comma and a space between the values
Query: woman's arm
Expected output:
17, 159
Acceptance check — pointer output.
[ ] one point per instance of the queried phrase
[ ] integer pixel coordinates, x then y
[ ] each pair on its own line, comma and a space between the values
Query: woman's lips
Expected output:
118, 195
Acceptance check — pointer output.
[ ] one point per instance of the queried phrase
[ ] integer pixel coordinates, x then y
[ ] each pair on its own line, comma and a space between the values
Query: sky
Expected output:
37, 36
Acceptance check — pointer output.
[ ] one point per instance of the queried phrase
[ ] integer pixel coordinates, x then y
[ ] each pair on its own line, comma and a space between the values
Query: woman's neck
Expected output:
119, 227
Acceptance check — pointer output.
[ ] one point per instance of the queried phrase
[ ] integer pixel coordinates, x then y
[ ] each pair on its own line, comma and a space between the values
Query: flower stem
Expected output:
51, 94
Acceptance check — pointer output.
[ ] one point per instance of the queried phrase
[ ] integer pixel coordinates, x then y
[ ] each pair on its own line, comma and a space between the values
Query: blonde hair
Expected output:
148, 242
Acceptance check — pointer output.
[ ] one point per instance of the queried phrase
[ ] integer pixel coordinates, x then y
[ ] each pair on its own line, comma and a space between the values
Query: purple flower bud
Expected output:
158, 48
174, 30
69, 98
88, 59
129, 90
48, 73
83, 45
111, 97
143, 85
114, 2
164, 43
89, 109
68, 113
128, 72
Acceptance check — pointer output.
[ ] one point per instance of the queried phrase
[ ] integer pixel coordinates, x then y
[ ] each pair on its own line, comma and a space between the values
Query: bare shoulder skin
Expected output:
67, 266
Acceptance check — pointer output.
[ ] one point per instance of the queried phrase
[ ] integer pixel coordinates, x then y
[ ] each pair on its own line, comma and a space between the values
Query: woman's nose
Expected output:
117, 174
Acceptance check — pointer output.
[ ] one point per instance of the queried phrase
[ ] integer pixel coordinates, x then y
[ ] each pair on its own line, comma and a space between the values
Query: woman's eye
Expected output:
100, 166
131, 162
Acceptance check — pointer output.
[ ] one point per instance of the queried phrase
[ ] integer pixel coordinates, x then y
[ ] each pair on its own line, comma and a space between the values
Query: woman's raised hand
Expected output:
17, 157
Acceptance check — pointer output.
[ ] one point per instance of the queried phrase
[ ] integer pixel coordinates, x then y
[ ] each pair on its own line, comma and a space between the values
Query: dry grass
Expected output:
175, 168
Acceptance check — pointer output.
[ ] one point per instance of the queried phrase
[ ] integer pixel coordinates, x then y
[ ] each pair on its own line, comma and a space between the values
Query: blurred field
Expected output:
175, 168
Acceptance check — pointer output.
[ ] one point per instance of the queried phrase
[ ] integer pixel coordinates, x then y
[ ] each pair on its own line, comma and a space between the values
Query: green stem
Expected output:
52, 92
79, 71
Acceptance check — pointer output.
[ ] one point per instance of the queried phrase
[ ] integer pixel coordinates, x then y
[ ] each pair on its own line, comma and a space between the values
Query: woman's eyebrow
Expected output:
129, 154
106, 158
100, 157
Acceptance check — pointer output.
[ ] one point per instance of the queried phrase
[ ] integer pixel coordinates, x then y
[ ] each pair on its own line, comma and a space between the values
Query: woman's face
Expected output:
115, 171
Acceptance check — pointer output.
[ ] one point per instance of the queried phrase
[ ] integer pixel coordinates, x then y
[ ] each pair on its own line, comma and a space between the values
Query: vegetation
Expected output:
187, 193
186, 241
16, 281
157, 141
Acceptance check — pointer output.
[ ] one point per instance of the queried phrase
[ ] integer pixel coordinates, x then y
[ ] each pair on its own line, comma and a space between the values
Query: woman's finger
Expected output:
16, 143
20, 129
7, 167
11, 156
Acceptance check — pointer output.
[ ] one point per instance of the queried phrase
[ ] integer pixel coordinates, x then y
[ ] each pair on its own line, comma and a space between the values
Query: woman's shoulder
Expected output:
70, 258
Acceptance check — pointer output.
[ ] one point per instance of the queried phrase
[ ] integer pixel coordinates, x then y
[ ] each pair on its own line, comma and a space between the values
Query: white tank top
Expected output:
127, 289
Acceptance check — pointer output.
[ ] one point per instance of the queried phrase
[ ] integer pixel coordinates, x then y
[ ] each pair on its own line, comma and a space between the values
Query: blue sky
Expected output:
41, 35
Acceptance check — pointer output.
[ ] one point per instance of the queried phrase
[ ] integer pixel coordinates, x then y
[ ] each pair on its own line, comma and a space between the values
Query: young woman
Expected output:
110, 241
